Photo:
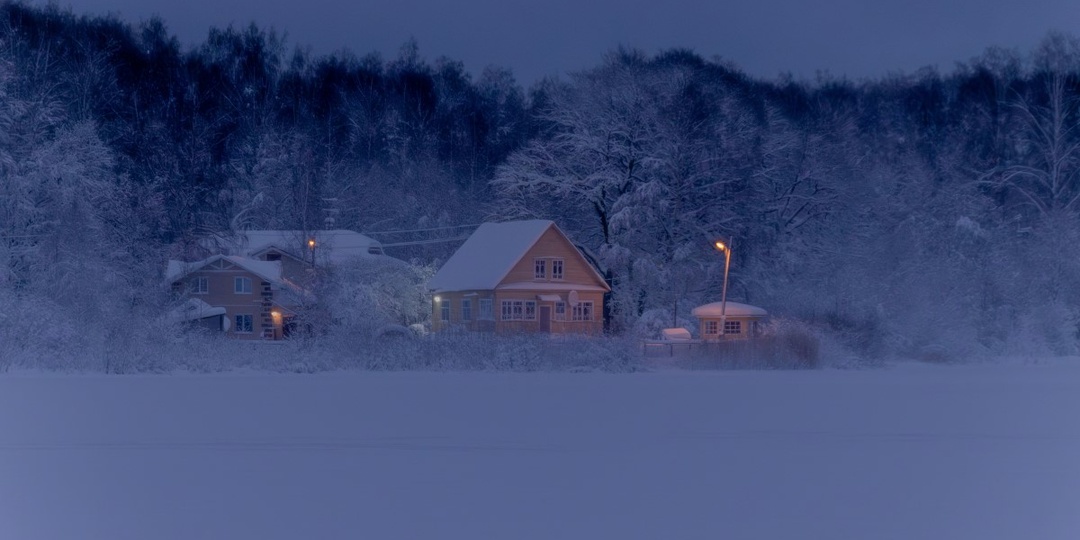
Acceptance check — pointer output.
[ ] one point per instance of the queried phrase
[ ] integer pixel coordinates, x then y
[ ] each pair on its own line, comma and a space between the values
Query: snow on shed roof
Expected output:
332, 246
193, 309
734, 309
268, 270
488, 255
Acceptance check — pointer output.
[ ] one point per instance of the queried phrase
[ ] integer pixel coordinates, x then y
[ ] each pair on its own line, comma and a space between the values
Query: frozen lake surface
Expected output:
912, 451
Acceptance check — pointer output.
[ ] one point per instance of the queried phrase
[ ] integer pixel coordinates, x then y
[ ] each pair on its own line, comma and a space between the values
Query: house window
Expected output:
273, 256
466, 310
242, 285
556, 269
540, 269
199, 285
444, 311
560, 311
583, 311
712, 328
514, 310
244, 324
485, 310
530, 311
732, 327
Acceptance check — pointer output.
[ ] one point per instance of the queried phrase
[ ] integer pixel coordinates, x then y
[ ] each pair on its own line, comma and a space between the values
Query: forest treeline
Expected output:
931, 214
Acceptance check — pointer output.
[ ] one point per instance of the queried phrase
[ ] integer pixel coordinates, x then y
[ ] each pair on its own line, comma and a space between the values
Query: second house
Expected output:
519, 276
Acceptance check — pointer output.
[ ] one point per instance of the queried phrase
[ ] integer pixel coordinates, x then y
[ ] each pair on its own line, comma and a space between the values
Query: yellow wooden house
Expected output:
518, 276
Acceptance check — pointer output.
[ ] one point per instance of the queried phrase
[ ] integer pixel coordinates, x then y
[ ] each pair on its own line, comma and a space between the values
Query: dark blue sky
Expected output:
535, 38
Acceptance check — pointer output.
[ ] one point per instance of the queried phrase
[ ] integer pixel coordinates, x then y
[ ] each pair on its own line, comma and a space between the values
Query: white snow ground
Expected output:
910, 452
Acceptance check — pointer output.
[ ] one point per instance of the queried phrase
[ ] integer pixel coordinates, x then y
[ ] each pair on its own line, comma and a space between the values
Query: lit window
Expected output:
244, 324
556, 269
485, 310
199, 285
466, 310
242, 285
732, 327
540, 269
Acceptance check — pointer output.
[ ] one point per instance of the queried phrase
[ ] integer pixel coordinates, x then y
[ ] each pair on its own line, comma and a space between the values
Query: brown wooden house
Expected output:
246, 298
519, 276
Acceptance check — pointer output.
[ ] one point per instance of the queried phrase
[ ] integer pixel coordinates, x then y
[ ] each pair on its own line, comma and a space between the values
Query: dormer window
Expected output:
272, 256
540, 269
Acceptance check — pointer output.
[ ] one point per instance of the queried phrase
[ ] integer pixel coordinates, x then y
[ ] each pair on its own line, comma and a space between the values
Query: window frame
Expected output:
202, 288
560, 274
540, 268
466, 309
490, 311
239, 328
735, 325
444, 310
583, 311
712, 327
559, 313
238, 280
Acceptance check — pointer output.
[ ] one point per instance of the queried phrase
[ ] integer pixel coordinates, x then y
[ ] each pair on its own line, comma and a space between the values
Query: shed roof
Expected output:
331, 246
734, 309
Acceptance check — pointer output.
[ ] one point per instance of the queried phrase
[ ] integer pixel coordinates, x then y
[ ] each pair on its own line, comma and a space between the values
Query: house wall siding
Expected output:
553, 244
747, 329
221, 293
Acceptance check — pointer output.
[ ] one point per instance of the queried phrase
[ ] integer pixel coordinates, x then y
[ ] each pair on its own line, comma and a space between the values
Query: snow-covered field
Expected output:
908, 452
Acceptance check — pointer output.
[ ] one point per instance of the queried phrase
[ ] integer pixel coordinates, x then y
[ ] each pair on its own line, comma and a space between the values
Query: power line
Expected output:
423, 230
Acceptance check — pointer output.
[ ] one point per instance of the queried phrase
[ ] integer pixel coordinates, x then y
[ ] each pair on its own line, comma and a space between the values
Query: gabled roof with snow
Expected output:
268, 270
331, 246
489, 254
734, 309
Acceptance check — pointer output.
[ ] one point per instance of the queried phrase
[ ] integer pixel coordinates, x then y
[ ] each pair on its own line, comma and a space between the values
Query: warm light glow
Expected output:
311, 243
437, 299
276, 315
721, 246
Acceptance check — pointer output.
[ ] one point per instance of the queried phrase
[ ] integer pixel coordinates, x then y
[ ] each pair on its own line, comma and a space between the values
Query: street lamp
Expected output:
726, 250
311, 247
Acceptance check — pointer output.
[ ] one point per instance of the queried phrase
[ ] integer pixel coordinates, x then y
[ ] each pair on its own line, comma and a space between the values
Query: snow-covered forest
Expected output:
933, 214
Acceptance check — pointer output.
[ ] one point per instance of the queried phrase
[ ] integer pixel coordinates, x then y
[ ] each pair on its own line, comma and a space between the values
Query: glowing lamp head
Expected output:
311, 243
721, 246
438, 299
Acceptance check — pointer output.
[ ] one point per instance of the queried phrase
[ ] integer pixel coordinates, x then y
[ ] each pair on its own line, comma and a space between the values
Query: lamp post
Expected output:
311, 247
726, 250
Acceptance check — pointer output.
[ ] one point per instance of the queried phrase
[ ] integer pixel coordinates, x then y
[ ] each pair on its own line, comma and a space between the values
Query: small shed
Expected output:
738, 320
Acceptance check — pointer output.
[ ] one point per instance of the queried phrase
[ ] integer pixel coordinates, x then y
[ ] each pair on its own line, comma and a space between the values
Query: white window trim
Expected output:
540, 268
562, 270
578, 312
203, 288
516, 310
712, 327
733, 325
490, 310
236, 321
241, 279
444, 310
466, 309
559, 313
